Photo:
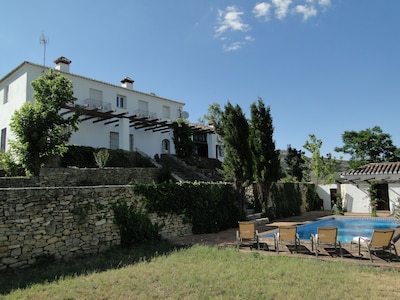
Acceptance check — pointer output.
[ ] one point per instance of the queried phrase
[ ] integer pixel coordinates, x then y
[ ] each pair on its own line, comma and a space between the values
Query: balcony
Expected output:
98, 105
145, 114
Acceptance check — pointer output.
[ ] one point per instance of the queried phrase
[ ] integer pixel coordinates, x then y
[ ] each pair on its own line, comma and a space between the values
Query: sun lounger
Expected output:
382, 239
247, 235
287, 235
326, 236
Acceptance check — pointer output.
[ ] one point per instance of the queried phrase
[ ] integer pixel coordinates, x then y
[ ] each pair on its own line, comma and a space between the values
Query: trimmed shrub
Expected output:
209, 207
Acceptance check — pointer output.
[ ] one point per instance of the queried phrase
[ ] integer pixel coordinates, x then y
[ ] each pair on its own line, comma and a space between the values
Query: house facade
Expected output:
353, 187
114, 117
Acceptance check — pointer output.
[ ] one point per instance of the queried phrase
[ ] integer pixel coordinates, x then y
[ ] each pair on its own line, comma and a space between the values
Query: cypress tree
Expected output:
265, 159
236, 164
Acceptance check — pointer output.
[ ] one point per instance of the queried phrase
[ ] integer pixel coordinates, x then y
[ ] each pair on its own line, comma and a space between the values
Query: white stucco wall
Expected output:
356, 198
98, 134
394, 196
212, 141
324, 193
17, 90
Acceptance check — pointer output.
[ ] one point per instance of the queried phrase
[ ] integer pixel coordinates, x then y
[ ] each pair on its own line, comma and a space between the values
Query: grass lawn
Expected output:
159, 271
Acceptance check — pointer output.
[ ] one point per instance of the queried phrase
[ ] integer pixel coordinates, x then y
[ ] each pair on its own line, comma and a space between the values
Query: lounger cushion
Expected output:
361, 239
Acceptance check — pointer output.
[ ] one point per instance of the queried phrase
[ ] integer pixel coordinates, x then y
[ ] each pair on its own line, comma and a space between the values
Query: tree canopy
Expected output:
367, 146
323, 168
40, 129
183, 142
250, 154
265, 158
237, 162
296, 164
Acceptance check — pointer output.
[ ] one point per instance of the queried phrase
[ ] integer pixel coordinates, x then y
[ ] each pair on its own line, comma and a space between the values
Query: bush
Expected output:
286, 200
135, 226
101, 157
79, 156
83, 157
209, 207
8, 164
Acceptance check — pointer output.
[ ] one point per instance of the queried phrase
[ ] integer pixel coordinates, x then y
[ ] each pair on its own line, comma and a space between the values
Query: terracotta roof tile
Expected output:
374, 169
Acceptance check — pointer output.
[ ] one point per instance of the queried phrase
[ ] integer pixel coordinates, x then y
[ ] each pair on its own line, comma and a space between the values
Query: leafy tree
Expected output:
183, 142
40, 130
237, 162
265, 159
215, 118
367, 146
296, 164
323, 168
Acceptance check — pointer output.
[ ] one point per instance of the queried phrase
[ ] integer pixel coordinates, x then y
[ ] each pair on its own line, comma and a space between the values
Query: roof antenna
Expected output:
44, 41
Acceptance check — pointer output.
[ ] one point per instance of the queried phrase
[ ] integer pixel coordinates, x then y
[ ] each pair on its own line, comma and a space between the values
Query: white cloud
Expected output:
229, 19
233, 47
250, 38
324, 2
282, 8
306, 11
261, 10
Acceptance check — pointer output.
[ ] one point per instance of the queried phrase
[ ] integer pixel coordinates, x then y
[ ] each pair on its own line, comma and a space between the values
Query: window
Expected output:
5, 94
121, 101
143, 108
114, 140
95, 95
200, 137
165, 146
166, 112
3, 140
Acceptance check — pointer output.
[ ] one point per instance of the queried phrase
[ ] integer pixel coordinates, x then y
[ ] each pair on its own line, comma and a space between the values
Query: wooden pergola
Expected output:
138, 121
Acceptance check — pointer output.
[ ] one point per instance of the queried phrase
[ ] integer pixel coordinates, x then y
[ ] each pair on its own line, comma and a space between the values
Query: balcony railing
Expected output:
145, 114
97, 105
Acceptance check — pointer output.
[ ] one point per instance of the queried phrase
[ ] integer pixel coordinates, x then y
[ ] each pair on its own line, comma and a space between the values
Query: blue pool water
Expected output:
348, 227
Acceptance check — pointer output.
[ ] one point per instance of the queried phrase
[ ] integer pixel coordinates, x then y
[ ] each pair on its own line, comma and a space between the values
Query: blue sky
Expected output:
323, 66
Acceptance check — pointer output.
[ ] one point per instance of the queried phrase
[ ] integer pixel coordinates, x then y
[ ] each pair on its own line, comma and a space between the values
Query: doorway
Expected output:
382, 194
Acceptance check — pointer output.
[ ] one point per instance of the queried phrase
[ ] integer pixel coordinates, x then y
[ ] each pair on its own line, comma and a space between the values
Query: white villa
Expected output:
353, 187
114, 117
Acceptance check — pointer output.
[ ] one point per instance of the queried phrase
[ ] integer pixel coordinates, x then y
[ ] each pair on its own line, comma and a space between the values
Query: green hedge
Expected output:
83, 157
209, 207
286, 200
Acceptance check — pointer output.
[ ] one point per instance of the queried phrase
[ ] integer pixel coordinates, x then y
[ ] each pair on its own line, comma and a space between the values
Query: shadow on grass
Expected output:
48, 269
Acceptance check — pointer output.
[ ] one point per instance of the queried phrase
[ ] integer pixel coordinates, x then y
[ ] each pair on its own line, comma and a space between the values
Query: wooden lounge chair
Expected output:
382, 239
287, 235
247, 235
326, 236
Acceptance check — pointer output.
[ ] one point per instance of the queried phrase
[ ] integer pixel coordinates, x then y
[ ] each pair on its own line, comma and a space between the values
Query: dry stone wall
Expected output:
19, 182
64, 222
83, 177
95, 176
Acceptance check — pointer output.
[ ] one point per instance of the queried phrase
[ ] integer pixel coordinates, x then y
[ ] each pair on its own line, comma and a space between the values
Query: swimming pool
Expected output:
348, 227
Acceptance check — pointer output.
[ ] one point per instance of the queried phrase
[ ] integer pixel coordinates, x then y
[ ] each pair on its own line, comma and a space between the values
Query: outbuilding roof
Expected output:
375, 169
384, 171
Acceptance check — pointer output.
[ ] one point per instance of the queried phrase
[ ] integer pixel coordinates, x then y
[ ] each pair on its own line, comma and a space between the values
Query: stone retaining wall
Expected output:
19, 182
95, 176
65, 221
83, 177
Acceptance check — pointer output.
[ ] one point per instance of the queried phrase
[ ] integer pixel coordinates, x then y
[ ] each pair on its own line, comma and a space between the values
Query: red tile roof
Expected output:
375, 169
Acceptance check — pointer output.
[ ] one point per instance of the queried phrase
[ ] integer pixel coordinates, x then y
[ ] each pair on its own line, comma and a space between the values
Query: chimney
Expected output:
127, 83
62, 64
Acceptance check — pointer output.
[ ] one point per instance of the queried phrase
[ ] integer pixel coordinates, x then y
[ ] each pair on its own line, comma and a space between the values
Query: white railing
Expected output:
92, 104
